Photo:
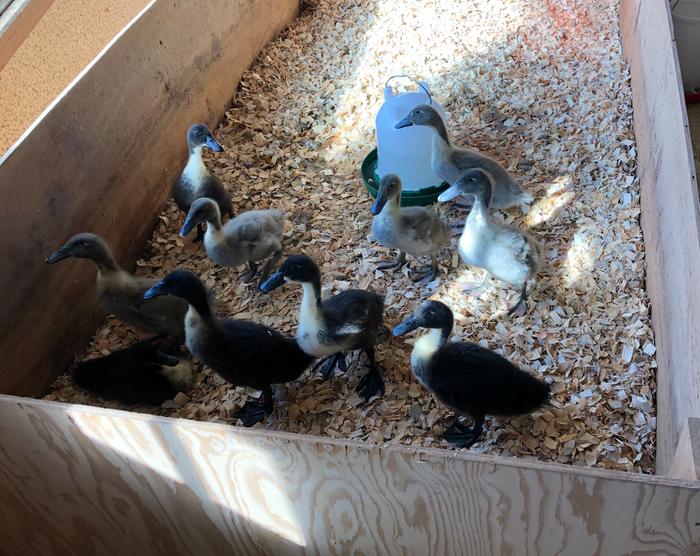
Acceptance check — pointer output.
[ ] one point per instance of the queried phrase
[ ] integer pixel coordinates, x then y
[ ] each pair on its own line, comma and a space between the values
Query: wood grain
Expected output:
670, 216
80, 480
102, 159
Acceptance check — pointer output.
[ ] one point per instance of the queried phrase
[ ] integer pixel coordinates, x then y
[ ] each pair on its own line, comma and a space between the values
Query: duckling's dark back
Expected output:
355, 308
476, 380
250, 354
126, 377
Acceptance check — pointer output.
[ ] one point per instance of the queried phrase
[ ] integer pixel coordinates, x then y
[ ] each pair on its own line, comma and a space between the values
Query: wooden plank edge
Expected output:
16, 23
418, 453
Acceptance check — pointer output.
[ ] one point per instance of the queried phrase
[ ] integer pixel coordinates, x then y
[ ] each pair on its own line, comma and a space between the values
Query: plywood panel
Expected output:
79, 480
670, 216
102, 159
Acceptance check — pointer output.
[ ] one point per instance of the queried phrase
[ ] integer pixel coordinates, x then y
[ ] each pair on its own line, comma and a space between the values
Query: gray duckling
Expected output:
417, 231
196, 180
251, 236
506, 252
121, 293
449, 162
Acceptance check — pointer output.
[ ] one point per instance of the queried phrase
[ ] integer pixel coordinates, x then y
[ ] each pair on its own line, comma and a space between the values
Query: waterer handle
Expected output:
425, 89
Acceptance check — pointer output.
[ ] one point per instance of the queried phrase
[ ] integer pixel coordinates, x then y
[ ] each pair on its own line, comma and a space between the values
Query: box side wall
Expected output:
670, 216
102, 159
83, 480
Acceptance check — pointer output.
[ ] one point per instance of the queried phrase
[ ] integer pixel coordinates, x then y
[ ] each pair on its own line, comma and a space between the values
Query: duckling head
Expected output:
82, 246
203, 209
183, 284
297, 268
472, 182
430, 314
146, 352
389, 188
423, 114
199, 136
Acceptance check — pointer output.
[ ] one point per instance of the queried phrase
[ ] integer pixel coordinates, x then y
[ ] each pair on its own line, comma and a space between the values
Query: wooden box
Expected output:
84, 480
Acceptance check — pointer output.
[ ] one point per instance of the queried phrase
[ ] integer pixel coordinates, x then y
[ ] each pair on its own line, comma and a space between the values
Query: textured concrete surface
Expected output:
71, 33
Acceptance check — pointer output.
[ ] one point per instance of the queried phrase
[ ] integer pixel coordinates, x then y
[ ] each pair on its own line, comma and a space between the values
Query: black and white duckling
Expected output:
417, 231
466, 377
328, 328
449, 162
121, 293
244, 353
196, 180
139, 374
249, 237
505, 252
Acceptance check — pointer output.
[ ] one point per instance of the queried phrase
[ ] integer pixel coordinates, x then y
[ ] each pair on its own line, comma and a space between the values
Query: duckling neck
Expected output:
480, 211
426, 346
195, 168
311, 301
393, 207
105, 263
441, 133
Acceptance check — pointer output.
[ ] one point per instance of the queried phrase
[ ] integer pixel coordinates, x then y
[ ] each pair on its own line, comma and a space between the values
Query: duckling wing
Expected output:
353, 314
519, 246
474, 379
423, 226
258, 355
213, 188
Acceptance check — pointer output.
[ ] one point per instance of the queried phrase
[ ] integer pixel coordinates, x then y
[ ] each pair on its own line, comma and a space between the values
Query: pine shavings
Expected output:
542, 87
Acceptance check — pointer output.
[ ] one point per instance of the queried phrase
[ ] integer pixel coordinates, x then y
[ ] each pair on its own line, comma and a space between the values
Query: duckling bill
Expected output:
466, 377
242, 352
347, 321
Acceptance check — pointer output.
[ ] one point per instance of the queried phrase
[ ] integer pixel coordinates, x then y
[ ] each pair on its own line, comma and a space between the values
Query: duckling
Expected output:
121, 293
139, 374
449, 162
243, 353
505, 252
249, 237
328, 328
196, 180
417, 231
466, 377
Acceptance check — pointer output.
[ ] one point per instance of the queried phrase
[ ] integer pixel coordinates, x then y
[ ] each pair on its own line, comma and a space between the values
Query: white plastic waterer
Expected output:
405, 152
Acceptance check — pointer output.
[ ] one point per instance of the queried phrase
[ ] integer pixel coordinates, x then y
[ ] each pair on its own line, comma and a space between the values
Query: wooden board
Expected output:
17, 19
102, 159
81, 480
670, 216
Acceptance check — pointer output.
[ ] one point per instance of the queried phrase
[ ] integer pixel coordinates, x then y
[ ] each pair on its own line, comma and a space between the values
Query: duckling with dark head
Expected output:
121, 293
449, 162
244, 353
347, 321
138, 374
196, 180
466, 377
417, 231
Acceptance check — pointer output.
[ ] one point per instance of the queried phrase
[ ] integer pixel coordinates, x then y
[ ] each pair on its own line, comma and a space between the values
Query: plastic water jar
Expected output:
406, 151
686, 23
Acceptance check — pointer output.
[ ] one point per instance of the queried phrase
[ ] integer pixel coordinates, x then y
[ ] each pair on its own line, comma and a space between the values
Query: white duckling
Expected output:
505, 252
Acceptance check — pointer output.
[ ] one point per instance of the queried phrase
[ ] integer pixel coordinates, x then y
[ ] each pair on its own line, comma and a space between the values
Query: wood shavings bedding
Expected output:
540, 86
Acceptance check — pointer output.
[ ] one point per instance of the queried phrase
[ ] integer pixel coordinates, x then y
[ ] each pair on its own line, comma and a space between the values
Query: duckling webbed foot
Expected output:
249, 275
251, 413
372, 384
427, 275
462, 436
327, 365
395, 264
520, 308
